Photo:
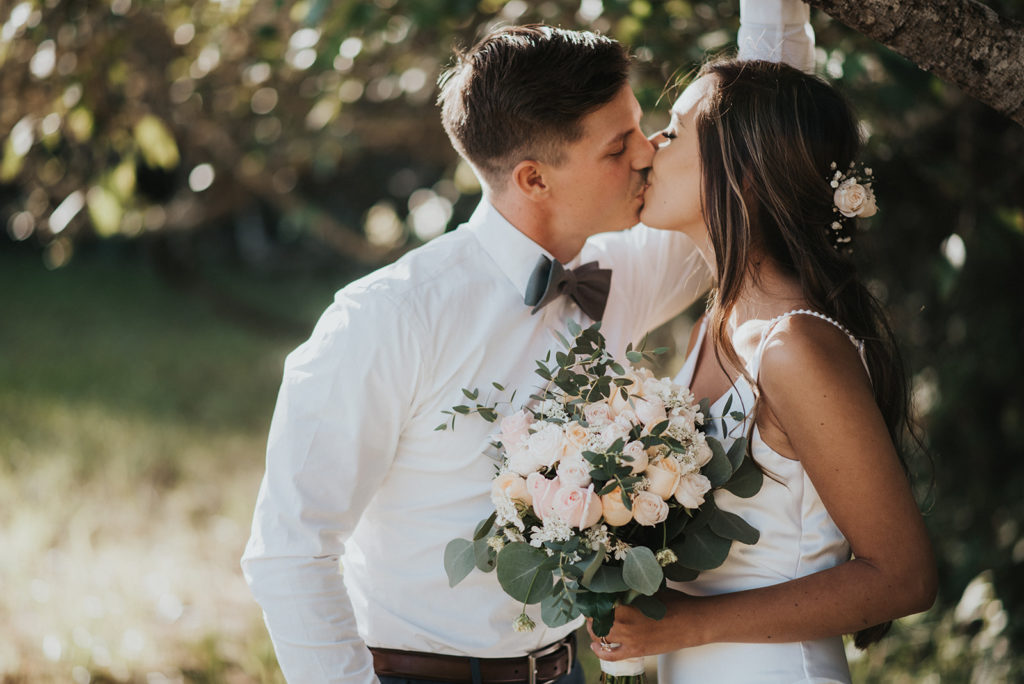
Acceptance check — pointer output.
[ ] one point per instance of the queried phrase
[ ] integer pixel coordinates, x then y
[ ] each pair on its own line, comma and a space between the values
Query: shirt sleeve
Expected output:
777, 31
343, 401
656, 274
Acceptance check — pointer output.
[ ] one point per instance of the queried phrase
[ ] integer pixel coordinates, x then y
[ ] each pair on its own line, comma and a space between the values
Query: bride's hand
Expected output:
633, 634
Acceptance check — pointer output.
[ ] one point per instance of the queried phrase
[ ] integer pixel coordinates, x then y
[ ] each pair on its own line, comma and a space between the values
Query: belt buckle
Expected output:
531, 658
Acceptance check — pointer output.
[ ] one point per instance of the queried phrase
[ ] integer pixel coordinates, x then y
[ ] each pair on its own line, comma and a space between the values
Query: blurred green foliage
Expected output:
270, 133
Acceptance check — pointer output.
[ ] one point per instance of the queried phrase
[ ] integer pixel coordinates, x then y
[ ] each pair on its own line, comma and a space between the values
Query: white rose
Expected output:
612, 432
691, 490
574, 472
627, 418
636, 451
649, 509
853, 199
522, 462
547, 445
515, 428
598, 414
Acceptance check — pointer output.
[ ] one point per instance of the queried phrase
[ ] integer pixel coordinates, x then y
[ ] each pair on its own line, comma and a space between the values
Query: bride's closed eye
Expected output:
668, 134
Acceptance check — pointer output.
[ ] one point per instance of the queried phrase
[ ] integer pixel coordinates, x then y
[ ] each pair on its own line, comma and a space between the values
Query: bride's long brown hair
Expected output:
768, 135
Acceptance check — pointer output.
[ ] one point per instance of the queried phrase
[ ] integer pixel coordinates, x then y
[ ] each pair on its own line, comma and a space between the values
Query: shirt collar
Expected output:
515, 254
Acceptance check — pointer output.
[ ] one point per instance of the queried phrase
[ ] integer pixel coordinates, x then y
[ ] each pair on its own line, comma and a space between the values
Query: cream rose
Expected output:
543, 492
597, 415
663, 476
649, 509
574, 472
614, 511
627, 418
650, 411
702, 452
636, 451
853, 199
579, 507
691, 490
612, 432
576, 435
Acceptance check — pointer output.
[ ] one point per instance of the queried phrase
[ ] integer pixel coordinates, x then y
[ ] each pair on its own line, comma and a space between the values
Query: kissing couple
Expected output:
752, 193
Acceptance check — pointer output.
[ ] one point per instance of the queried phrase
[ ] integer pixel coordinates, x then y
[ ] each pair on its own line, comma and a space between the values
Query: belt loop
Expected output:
474, 668
531, 665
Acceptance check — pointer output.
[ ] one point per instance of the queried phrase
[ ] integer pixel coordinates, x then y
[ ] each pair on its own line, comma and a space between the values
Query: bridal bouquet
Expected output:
602, 492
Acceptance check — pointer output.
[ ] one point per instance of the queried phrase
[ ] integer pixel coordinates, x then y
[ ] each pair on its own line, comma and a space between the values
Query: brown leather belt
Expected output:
540, 667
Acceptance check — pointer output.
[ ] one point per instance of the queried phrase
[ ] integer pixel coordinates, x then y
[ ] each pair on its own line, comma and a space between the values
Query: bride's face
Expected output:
672, 201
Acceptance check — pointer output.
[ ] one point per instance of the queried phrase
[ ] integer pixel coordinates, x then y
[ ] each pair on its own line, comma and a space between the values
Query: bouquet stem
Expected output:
628, 671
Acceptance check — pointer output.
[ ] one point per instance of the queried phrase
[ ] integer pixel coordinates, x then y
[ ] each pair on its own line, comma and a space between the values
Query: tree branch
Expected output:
961, 41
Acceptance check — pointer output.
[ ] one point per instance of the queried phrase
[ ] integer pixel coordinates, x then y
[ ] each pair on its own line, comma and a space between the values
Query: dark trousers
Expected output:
574, 677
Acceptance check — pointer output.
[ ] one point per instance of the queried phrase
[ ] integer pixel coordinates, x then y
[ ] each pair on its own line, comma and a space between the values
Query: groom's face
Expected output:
600, 185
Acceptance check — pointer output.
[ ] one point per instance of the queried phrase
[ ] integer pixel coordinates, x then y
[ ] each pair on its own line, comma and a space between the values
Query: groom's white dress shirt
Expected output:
361, 494
356, 470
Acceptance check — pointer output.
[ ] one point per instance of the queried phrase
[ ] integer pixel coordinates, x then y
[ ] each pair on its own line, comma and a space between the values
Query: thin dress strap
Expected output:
755, 365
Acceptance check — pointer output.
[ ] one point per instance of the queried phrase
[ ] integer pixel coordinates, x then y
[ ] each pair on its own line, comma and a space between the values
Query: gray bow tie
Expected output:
587, 285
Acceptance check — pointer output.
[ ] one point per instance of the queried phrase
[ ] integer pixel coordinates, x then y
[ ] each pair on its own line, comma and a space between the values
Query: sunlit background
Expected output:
183, 185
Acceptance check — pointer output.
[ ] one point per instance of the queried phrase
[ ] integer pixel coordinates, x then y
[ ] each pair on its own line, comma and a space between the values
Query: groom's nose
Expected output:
645, 157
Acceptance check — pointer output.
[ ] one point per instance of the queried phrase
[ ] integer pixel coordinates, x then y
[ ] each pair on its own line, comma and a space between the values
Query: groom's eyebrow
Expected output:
621, 137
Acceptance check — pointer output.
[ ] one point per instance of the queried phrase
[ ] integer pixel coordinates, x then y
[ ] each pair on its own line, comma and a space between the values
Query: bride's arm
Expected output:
777, 31
815, 387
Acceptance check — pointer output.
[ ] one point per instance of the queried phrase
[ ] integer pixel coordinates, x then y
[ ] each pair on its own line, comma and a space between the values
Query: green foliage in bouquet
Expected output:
632, 526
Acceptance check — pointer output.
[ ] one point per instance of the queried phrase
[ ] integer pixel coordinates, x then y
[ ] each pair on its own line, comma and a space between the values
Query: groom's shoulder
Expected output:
429, 271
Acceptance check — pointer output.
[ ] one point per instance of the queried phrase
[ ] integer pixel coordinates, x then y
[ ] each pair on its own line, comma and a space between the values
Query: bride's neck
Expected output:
767, 292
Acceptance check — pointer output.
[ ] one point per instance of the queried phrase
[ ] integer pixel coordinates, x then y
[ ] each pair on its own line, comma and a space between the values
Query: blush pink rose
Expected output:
691, 490
649, 509
515, 428
614, 511
579, 507
543, 492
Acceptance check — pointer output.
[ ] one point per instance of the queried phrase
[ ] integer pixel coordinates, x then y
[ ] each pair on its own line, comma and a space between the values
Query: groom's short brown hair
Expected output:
521, 92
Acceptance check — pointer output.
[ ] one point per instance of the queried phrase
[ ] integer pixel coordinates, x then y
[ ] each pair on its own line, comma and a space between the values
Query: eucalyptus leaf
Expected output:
461, 409
634, 356
607, 580
524, 573
600, 608
746, 481
641, 571
471, 395
702, 549
736, 453
483, 555
738, 415
483, 528
574, 327
718, 469
592, 565
732, 526
459, 560
649, 606
557, 610
677, 573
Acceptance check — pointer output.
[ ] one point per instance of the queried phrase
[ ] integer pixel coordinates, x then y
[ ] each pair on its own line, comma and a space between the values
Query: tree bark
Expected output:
961, 41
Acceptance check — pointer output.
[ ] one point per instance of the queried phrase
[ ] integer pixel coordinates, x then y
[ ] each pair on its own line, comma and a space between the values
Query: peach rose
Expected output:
576, 435
649, 509
614, 511
663, 476
511, 485
579, 507
543, 492
636, 451
691, 490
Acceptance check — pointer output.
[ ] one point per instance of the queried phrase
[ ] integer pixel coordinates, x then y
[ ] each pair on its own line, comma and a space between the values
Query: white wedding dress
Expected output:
798, 538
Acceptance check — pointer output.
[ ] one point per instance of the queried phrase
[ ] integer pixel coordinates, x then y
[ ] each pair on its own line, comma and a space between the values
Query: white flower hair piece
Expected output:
852, 196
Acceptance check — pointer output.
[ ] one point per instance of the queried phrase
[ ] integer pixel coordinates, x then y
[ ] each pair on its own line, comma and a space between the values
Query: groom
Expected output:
361, 494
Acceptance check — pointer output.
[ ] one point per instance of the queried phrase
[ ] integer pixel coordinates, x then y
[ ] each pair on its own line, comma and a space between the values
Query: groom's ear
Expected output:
528, 180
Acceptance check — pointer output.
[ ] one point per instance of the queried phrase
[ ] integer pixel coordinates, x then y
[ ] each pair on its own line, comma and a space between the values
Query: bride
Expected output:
755, 158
